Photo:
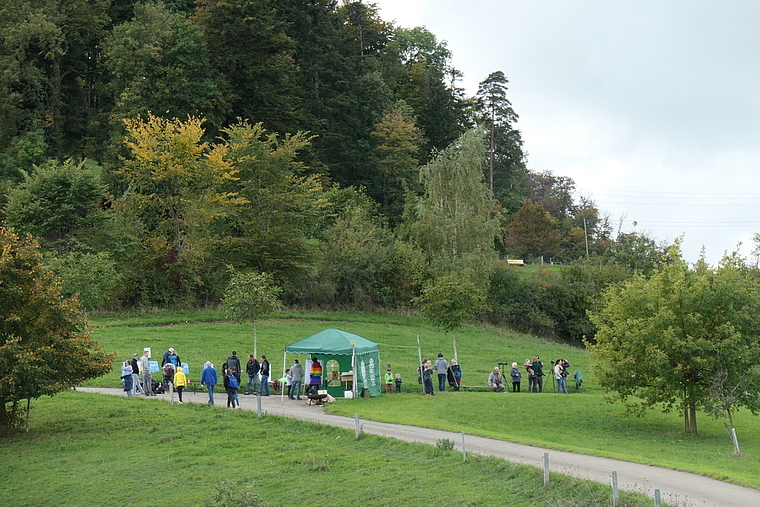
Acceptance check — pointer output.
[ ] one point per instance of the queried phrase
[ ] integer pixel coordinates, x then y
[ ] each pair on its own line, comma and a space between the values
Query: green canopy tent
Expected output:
341, 352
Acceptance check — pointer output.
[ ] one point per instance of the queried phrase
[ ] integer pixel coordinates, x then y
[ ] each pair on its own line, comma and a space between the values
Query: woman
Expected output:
126, 377
516, 378
315, 376
426, 369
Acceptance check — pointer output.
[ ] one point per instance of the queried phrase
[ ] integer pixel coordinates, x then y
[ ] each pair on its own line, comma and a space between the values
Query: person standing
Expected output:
209, 379
180, 382
296, 371
233, 363
398, 382
426, 372
559, 376
528, 365
516, 378
147, 377
441, 366
135, 375
388, 380
252, 370
456, 374
165, 358
231, 386
315, 376
264, 372
126, 377
538, 369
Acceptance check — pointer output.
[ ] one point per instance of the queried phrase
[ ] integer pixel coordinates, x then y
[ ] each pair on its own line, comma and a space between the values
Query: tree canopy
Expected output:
45, 345
663, 341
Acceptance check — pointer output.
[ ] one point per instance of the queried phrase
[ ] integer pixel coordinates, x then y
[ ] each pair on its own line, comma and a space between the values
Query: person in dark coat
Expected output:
233, 363
252, 370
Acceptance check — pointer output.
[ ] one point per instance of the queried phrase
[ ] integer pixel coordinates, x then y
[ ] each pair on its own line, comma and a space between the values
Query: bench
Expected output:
466, 388
515, 262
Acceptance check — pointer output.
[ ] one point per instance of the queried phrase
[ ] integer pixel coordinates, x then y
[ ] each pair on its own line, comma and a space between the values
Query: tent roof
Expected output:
332, 341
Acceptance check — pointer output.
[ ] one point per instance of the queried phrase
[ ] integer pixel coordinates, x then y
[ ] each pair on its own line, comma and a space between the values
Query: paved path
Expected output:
677, 488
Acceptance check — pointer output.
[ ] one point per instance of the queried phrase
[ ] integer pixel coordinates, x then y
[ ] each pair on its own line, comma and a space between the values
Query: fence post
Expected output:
358, 428
464, 450
615, 491
258, 401
546, 468
657, 500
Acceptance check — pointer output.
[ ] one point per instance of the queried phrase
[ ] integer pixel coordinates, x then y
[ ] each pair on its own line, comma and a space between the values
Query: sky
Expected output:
651, 107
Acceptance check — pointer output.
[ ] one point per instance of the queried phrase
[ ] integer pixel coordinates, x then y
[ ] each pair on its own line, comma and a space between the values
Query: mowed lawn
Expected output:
90, 450
581, 421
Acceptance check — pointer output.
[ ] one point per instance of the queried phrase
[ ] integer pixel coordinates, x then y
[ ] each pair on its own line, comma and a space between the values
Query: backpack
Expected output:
233, 383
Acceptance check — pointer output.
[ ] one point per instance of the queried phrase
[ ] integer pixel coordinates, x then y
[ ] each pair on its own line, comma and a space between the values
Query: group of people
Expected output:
535, 371
447, 373
171, 366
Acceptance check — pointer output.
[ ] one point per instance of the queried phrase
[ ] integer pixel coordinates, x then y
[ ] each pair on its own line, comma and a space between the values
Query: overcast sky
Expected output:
652, 107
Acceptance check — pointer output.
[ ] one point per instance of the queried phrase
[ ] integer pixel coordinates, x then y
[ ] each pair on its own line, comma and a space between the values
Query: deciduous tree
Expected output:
663, 340
45, 345
250, 296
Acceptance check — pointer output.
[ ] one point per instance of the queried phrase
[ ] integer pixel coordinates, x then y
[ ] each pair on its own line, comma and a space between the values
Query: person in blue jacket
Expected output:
209, 379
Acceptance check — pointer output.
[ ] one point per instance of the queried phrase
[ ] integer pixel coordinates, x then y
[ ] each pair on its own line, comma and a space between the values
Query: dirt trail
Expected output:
680, 489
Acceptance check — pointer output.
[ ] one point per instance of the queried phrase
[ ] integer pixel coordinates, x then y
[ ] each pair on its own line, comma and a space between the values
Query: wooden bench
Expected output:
515, 262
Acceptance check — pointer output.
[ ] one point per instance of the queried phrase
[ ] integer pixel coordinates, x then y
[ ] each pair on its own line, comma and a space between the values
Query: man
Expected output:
233, 363
559, 375
165, 358
209, 379
496, 381
252, 369
442, 367
296, 372
264, 372
538, 370
135, 375
147, 377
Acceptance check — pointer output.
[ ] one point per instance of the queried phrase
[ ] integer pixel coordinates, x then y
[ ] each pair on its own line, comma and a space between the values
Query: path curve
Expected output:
681, 489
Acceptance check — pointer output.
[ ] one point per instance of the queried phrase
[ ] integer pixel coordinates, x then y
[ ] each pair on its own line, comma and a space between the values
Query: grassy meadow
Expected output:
93, 450
186, 448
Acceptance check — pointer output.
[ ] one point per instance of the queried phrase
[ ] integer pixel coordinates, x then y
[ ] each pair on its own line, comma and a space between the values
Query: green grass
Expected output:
581, 422
93, 450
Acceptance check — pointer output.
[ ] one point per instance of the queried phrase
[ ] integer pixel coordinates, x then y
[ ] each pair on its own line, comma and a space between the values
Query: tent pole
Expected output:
419, 362
284, 362
353, 369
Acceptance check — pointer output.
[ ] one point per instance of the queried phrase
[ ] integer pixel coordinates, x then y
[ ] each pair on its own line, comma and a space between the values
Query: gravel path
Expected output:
680, 489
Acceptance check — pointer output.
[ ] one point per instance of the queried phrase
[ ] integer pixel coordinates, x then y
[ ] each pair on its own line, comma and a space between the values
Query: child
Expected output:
398, 382
388, 381
180, 381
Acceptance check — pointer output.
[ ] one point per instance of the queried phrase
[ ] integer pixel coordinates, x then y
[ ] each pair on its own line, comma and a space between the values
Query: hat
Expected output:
134, 355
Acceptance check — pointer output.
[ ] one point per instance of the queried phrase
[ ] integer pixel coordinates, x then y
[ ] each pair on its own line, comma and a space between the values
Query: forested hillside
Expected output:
154, 149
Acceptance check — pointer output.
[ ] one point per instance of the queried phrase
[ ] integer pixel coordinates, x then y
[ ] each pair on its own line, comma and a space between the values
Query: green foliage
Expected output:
662, 340
54, 201
456, 221
250, 296
45, 346
227, 495
356, 258
92, 277
444, 444
158, 63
